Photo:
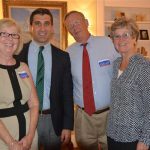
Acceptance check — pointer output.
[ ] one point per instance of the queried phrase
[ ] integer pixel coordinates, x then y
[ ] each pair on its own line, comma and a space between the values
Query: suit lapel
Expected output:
25, 51
54, 63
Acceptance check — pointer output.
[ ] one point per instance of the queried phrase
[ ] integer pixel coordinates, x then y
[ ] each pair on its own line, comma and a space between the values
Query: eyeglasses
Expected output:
124, 36
6, 35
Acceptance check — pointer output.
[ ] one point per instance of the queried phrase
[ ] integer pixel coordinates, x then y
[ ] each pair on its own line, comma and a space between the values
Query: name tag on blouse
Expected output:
104, 62
23, 74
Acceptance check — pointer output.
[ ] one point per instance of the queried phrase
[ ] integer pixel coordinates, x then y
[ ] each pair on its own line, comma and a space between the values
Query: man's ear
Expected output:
52, 29
30, 28
87, 22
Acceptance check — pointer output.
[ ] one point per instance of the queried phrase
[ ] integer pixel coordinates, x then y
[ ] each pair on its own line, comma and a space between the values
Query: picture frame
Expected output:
144, 35
20, 11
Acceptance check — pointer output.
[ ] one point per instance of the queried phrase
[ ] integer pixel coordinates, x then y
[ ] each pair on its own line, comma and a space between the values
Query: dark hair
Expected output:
72, 12
41, 11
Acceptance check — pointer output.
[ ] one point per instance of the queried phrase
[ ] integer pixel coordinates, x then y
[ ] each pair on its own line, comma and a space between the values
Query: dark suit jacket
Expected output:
61, 92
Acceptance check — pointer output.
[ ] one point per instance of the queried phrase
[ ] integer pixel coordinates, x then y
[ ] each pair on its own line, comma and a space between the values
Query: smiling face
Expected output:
77, 26
8, 42
41, 29
124, 42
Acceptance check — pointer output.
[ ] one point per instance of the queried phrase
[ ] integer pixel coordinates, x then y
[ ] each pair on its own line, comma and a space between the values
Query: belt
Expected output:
101, 111
98, 111
47, 111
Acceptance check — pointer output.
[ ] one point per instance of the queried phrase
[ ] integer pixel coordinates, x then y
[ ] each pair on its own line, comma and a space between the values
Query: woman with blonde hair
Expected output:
18, 98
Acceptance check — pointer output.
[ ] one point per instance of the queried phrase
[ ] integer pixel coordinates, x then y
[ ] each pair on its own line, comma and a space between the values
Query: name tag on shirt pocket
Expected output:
104, 62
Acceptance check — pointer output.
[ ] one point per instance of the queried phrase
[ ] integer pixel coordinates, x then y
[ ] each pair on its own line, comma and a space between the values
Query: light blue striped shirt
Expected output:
102, 54
32, 61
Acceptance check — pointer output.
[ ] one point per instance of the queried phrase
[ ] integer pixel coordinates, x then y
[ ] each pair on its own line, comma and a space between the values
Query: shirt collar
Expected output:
36, 45
88, 41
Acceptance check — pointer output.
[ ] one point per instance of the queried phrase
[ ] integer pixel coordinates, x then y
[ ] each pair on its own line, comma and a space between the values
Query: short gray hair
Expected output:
130, 24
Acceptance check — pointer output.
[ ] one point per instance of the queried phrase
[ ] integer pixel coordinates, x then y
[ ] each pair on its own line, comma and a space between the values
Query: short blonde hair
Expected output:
130, 24
6, 23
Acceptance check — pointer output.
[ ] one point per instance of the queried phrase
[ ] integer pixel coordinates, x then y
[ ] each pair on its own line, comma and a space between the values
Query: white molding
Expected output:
128, 3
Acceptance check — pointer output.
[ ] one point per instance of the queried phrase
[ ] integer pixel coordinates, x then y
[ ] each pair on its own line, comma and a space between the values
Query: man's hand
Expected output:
65, 136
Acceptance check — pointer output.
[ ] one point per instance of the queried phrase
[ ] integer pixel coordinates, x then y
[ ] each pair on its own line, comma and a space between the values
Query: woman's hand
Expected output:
141, 146
15, 145
26, 142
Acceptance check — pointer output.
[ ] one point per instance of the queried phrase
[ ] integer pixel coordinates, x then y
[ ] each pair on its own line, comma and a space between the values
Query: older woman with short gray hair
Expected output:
129, 118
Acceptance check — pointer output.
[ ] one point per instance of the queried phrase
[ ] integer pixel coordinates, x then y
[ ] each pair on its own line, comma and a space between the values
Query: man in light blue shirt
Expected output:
90, 130
32, 61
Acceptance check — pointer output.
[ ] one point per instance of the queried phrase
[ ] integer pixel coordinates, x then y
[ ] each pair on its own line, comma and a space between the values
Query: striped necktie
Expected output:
40, 76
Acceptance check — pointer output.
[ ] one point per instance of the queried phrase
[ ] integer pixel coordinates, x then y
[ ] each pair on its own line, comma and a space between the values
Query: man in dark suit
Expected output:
56, 119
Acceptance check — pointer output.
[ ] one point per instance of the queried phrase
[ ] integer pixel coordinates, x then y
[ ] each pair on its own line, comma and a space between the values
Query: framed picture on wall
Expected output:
144, 35
20, 11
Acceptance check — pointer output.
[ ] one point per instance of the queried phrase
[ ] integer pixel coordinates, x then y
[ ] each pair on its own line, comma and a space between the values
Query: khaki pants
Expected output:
90, 130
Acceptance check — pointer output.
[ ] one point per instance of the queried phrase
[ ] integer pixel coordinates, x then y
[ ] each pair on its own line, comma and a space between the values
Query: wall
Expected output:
1, 11
124, 3
94, 11
88, 7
